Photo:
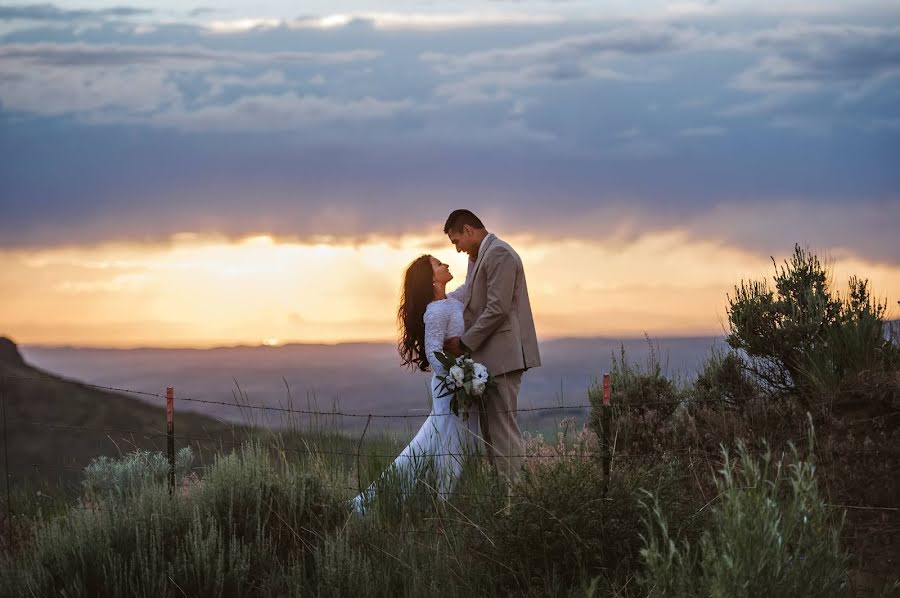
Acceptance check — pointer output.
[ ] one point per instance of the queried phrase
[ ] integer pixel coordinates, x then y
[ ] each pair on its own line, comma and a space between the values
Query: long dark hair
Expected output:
418, 292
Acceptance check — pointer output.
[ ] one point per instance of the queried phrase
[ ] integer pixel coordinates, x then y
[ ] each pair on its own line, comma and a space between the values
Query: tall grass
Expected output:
769, 533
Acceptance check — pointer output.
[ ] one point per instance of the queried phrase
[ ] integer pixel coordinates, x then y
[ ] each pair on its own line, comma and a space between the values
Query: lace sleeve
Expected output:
458, 293
437, 319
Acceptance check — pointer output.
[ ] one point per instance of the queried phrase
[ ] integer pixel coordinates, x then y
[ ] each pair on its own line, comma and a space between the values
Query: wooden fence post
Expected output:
606, 441
170, 434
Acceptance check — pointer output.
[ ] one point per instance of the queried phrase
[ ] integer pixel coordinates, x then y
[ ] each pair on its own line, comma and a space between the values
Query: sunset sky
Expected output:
247, 173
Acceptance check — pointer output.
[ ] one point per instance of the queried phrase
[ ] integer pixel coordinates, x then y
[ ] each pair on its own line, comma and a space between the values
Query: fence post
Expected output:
170, 434
606, 441
6, 455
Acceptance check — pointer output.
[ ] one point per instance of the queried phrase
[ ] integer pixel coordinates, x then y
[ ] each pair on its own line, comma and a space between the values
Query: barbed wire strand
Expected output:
314, 449
574, 407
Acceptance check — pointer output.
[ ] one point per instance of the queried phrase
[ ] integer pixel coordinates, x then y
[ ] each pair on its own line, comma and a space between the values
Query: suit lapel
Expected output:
488, 240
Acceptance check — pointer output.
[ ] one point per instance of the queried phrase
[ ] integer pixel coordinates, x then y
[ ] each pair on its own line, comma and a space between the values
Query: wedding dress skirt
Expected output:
435, 455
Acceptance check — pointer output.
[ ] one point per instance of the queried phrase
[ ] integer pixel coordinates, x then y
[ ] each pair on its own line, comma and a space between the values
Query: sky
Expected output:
245, 173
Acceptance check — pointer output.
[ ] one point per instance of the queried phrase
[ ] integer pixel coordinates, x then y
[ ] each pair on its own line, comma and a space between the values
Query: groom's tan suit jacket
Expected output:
499, 325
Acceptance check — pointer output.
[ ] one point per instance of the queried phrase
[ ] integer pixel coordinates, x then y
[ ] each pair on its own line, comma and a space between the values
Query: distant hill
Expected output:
55, 425
357, 377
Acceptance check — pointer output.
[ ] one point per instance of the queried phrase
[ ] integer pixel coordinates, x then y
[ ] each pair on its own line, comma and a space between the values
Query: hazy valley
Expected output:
356, 377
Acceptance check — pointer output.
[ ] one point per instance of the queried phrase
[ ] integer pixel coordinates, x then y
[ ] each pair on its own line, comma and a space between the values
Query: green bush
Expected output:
106, 476
858, 349
724, 378
768, 534
636, 388
801, 337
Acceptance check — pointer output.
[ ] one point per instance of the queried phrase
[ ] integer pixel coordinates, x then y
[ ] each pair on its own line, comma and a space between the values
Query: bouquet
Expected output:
465, 381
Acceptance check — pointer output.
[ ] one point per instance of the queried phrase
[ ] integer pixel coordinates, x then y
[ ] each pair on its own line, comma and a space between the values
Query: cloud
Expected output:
50, 12
270, 78
388, 21
634, 143
498, 85
868, 228
201, 10
51, 79
630, 41
708, 131
281, 113
174, 57
848, 62
884, 124
491, 75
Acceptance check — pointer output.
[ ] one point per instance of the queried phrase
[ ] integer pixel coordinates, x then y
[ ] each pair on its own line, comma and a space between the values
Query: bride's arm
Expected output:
458, 293
436, 322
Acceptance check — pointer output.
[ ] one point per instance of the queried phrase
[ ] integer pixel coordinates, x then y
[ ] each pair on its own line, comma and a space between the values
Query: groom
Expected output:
499, 331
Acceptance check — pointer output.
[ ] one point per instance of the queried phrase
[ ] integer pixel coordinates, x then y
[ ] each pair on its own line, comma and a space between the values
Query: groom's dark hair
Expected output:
459, 218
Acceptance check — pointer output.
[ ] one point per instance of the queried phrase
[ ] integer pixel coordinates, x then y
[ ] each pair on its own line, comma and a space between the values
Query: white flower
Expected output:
480, 372
478, 387
457, 374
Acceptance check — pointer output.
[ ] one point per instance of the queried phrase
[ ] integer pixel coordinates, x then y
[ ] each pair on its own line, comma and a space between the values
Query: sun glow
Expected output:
205, 291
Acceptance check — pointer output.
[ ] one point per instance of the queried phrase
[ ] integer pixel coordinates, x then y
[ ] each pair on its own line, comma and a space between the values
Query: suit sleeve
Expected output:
501, 284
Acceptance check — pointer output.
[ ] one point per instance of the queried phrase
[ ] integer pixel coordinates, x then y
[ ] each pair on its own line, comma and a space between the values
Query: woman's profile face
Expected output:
441, 271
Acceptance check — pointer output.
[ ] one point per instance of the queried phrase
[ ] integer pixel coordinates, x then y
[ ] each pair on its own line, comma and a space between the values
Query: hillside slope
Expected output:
55, 426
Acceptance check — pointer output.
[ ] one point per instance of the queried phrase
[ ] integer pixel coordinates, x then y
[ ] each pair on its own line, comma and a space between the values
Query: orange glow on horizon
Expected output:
197, 291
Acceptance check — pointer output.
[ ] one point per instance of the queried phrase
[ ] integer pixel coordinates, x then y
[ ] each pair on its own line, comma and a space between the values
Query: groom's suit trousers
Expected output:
500, 431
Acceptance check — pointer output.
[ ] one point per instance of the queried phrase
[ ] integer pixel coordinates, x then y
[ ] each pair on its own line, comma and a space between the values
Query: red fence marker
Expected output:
170, 434
606, 389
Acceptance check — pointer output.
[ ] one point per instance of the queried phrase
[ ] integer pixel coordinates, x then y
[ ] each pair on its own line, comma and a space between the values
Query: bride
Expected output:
427, 316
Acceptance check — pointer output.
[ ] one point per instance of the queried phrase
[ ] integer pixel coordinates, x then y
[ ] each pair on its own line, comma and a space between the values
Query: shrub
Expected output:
257, 499
636, 388
858, 351
769, 534
724, 378
105, 476
801, 336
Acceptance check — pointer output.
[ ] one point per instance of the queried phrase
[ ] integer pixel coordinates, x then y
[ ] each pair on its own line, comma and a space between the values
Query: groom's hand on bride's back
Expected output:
454, 346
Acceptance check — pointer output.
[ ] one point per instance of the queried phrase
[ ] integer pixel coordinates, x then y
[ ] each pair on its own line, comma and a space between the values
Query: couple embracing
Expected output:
489, 318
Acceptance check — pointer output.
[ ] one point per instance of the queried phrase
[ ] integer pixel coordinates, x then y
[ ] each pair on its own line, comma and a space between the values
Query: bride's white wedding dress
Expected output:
442, 443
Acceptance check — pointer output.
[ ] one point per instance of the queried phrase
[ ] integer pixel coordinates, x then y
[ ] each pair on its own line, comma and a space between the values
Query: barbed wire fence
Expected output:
606, 453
